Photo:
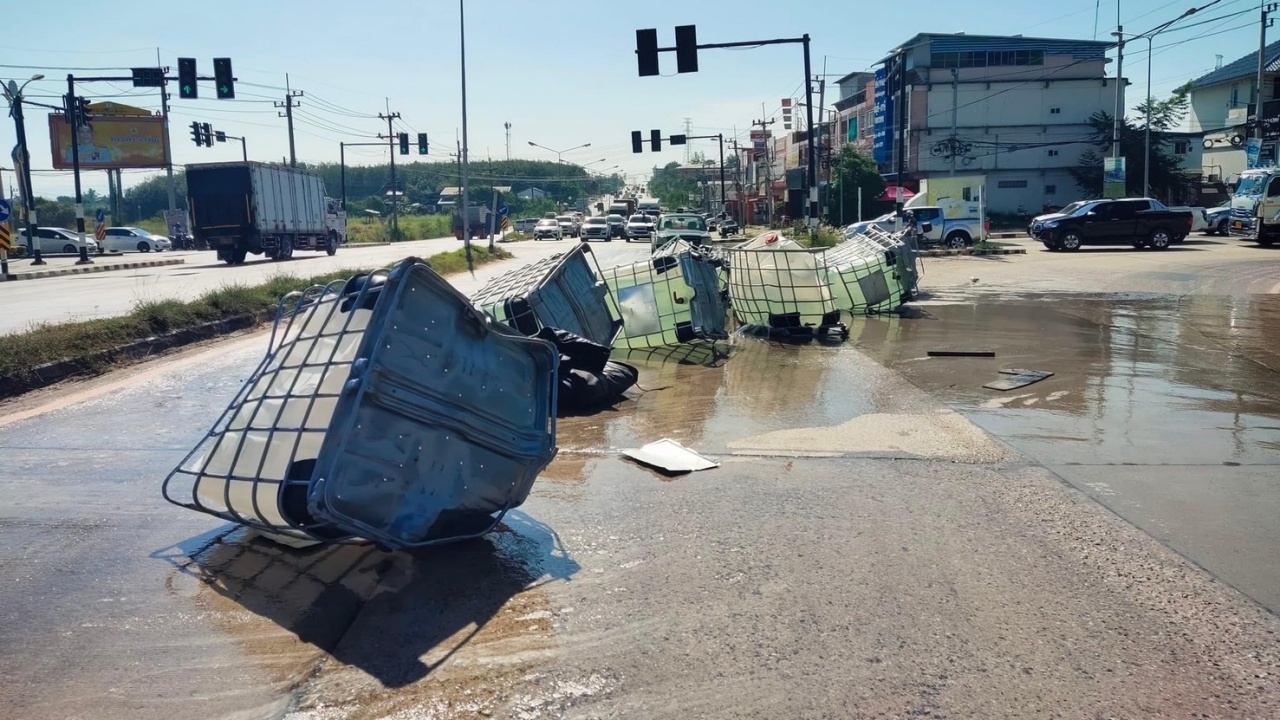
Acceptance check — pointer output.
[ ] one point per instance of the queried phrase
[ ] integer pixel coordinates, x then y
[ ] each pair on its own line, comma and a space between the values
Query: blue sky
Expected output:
562, 72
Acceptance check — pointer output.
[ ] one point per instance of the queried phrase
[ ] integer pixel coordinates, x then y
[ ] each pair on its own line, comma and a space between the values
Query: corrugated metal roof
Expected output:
1246, 66
1079, 49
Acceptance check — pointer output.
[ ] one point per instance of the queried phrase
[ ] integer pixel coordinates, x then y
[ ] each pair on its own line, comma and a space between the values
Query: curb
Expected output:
951, 253
1006, 235
56, 372
92, 269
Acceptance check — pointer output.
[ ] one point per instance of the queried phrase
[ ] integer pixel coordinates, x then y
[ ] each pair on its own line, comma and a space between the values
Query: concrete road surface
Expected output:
83, 297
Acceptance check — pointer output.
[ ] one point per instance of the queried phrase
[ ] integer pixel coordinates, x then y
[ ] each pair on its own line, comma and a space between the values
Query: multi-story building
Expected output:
854, 121
1221, 103
1012, 109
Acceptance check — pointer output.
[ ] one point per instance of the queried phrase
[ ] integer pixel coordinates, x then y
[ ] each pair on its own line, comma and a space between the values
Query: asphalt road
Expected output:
864, 550
82, 297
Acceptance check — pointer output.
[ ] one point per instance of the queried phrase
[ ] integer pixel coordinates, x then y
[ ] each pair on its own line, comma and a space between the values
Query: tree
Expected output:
852, 172
671, 187
1168, 179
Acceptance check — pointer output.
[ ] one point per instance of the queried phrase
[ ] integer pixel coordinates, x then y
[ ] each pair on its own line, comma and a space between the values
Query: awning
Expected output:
893, 192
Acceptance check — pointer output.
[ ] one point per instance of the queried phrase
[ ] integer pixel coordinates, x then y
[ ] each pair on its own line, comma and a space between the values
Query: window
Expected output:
992, 58
1050, 189
1273, 190
1053, 153
1011, 184
1181, 147
1055, 111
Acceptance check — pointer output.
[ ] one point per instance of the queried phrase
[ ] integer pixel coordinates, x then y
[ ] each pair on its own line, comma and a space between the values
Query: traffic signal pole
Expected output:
390, 117
74, 119
28, 198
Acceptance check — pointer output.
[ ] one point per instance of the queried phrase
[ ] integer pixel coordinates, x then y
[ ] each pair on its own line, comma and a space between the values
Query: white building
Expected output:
1013, 109
1221, 103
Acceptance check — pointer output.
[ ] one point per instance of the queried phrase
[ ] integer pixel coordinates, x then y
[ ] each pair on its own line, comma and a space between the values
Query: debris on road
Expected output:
780, 289
873, 271
962, 353
1016, 378
673, 297
670, 457
565, 292
588, 379
387, 408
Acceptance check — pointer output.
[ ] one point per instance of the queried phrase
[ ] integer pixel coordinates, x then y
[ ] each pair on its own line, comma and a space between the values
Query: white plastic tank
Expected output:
775, 282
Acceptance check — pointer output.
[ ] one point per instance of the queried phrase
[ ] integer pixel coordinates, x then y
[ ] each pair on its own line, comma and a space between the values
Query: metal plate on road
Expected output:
5, 210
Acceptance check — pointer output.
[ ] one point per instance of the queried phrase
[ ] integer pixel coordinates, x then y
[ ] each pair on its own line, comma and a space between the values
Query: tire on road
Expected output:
1070, 241
1160, 239
957, 240
70, 249
144, 246
331, 244
1222, 228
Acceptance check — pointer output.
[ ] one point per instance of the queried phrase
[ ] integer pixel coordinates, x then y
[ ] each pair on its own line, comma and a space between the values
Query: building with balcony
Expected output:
1221, 103
1014, 110
854, 118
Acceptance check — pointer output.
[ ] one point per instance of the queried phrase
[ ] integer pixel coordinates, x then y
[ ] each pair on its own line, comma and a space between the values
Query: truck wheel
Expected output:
237, 256
958, 240
331, 244
1265, 241
284, 250
1160, 239
1222, 228
1070, 241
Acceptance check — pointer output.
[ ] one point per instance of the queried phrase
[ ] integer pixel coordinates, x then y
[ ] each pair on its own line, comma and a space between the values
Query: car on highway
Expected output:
638, 227
548, 228
617, 225
596, 228
129, 239
1141, 222
568, 225
690, 227
59, 240
526, 225
548, 216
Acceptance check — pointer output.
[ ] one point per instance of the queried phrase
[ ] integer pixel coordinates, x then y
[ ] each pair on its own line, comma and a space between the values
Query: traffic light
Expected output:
786, 113
655, 140
647, 52
195, 133
206, 134
678, 140
223, 81
82, 109
686, 48
637, 141
422, 143
187, 87
404, 143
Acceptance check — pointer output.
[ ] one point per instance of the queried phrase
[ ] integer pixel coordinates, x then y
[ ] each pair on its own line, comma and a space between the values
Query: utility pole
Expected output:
822, 128
955, 107
23, 158
507, 125
768, 169
1267, 9
391, 117
1119, 111
902, 145
463, 149
289, 104
737, 180
74, 111
168, 145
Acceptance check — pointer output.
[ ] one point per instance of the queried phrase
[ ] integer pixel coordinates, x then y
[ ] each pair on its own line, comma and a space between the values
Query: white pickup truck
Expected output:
957, 233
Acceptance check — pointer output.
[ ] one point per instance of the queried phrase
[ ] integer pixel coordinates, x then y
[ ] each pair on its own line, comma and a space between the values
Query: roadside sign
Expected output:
503, 211
6, 240
100, 232
5, 210
100, 216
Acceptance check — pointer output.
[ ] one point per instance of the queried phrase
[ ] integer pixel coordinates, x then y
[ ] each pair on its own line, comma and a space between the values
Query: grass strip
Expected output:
91, 341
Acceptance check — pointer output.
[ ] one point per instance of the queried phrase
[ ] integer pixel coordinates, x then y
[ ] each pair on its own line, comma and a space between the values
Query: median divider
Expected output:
52, 352
84, 269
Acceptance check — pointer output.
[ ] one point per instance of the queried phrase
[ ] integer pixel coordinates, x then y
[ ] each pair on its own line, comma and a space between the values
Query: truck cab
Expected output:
956, 233
1255, 206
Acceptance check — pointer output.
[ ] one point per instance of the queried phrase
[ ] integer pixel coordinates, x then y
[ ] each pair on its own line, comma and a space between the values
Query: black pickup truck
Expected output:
1141, 222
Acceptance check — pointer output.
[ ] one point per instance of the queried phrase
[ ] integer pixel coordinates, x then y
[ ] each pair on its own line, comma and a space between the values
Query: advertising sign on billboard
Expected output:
882, 149
1113, 177
110, 142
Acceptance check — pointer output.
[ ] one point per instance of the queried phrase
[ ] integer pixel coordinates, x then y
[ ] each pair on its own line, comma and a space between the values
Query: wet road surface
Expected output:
1164, 409
863, 551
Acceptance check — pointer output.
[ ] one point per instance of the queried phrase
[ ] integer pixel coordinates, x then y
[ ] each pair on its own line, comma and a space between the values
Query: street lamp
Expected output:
559, 152
1149, 36
14, 93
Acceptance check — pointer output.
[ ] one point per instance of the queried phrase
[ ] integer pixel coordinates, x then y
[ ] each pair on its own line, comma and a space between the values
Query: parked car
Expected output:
638, 227
128, 239
568, 225
526, 225
597, 228
1069, 209
1198, 219
728, 226
59, 240
617, 225
548, 228
884, 222
955, 233
1141, 222
1216, 220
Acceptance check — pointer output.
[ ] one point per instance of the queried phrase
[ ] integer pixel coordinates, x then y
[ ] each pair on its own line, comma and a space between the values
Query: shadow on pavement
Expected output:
382, 613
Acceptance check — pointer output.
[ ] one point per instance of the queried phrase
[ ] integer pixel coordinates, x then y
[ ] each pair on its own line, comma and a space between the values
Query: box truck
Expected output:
239, 208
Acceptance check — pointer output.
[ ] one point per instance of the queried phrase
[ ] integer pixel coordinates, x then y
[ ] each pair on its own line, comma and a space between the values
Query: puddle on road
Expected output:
1138, 380
452, 628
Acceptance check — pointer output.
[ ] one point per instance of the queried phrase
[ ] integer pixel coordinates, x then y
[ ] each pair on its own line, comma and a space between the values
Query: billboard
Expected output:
111, 142
882, 149
1113, 178
957, 197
